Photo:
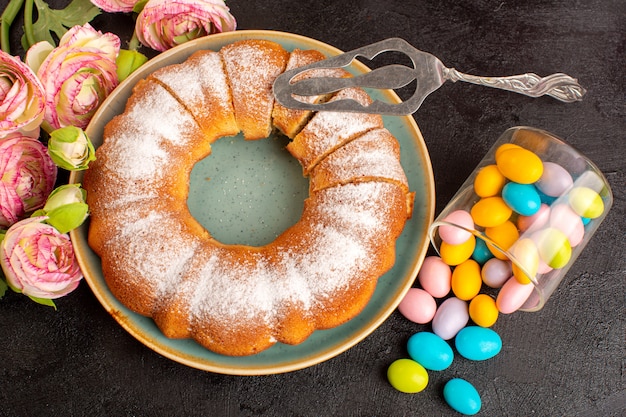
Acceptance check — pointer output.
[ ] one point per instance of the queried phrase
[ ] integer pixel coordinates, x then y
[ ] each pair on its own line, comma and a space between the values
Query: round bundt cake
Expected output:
238, 299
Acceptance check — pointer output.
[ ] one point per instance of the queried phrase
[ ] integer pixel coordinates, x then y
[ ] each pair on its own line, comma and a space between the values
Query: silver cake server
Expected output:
427, 69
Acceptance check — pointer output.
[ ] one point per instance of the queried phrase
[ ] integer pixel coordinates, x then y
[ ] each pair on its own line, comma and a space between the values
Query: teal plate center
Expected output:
247, 191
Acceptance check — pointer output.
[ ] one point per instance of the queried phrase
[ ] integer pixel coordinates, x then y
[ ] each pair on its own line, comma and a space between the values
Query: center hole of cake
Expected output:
247, 192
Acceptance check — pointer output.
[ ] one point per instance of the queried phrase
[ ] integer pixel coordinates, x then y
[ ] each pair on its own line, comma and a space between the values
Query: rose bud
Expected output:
70, 148
38, 261
66, 208
128, 61
114, 6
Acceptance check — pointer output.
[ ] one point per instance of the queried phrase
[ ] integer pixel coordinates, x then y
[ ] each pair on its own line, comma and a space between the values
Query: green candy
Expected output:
586, 202
554, 247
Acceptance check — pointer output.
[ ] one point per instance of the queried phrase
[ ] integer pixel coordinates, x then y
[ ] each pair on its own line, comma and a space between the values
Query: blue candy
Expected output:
430, 351
462, 396
546, 199
521, 198
478, 343
481, 252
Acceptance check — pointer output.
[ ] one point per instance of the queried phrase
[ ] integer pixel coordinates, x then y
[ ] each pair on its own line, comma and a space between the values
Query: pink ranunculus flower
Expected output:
27, 176
163, 24
78, 75
22, 101
115, 6
38, 261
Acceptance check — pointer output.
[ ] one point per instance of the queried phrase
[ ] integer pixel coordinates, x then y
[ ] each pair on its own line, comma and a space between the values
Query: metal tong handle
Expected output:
560, 86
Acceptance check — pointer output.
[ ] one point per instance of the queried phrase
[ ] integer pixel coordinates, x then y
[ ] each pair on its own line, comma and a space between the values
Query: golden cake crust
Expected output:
237, 299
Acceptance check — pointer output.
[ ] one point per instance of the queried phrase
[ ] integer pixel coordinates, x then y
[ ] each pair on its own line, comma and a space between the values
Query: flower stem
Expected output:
133, 44
47, 127
8, 16
28, 23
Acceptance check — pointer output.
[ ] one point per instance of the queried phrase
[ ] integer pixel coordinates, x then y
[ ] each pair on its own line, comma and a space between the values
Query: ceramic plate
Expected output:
251, 206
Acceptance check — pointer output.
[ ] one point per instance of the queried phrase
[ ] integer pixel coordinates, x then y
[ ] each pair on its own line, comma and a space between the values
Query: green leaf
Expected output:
50, 21
43, 301
3, 286
68, 217
128, 61
139, 6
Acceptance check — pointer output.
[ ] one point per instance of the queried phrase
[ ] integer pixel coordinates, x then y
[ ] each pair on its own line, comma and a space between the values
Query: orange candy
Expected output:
503, 236
455, 254
483, 310
490, 212
489, 181
466, 280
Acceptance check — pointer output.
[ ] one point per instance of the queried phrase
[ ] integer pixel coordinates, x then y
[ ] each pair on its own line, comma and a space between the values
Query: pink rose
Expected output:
77, 75
22, 101
27, 176
163, 24
38, 261
114, 6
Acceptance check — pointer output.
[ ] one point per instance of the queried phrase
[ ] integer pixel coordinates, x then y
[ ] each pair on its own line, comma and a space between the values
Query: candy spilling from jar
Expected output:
527, 213
525, 219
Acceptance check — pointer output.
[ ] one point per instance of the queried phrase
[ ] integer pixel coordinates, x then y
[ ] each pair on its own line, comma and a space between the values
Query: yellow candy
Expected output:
483, 310
520, 165
456, 254
505, 147
526, 255
407, 376
490, 212
489, 181
502, 235
466, 280
586, 202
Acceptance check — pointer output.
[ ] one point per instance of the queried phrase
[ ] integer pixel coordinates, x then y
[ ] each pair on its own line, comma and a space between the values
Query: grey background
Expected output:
566, 360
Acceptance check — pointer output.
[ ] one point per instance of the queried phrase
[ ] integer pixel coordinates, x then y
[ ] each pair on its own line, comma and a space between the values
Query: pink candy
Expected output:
435, 277
418, 306
455, 235
513, 295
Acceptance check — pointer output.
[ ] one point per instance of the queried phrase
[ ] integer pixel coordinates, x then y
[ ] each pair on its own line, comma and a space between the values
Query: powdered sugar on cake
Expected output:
152, 234
237, 299
311, 271
375, 154
328, 131
200, 85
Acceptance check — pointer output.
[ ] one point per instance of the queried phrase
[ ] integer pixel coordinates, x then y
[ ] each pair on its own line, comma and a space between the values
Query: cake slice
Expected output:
372, 156
251, 68
346, 241
139, 141
146, 258
200, 85
328, 130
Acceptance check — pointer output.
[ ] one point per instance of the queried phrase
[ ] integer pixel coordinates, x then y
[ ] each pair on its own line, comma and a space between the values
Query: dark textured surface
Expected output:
567, 360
